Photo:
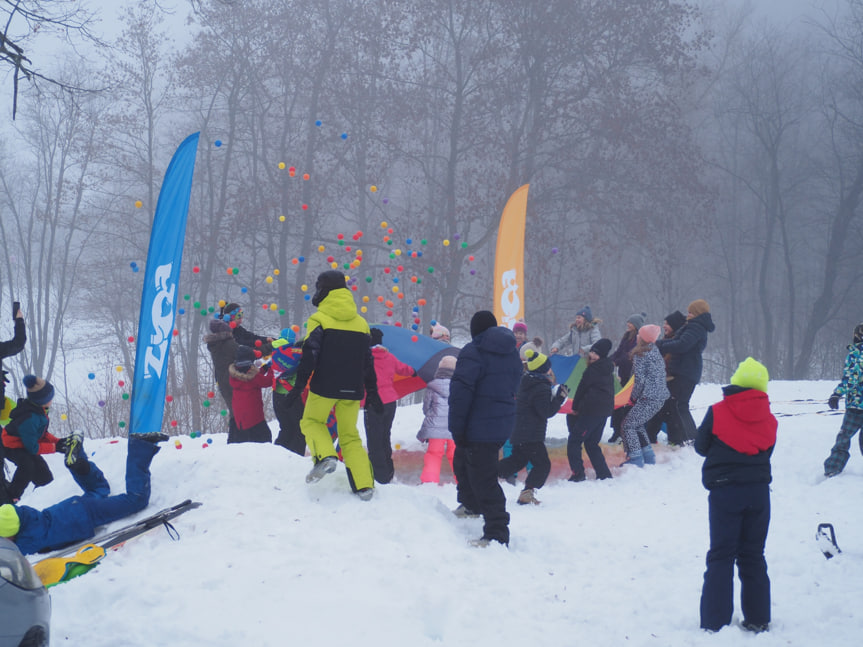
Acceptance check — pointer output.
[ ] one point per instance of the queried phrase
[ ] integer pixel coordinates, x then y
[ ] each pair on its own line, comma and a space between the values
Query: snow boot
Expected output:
326, 465
527, 496
72, 448
754, 628
465, 513
637, 460
154, 437
648, 456
366, 493
576, 478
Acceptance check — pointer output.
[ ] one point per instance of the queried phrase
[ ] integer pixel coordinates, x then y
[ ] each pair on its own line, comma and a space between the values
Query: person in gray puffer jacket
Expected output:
649, 393
435, 427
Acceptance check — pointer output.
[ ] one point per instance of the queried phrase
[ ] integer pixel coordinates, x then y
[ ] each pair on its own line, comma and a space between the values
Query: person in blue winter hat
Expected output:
583, 333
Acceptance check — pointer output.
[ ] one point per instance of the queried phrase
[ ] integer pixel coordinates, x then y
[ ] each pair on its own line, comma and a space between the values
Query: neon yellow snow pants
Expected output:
314, 428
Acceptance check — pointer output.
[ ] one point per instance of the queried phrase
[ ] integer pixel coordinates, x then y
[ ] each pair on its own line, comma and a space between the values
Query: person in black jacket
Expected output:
592, 403
481, 418
737, 439
10, 348
337, 364
684, 368
535, 404
232, 314
223, 349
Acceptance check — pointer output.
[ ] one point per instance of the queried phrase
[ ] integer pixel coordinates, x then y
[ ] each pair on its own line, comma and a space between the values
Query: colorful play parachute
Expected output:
421, 353
568, 370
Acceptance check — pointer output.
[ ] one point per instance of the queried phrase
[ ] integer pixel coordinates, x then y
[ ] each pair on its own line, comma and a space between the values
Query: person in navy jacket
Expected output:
481, 419
737, 439
76, 518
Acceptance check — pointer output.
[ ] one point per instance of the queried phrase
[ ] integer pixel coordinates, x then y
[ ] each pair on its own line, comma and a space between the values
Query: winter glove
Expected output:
833, 402
561, 388
293, 397
373, 402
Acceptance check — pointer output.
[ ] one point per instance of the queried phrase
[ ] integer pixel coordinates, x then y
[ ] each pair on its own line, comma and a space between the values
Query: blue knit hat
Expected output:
39, 391
586, 313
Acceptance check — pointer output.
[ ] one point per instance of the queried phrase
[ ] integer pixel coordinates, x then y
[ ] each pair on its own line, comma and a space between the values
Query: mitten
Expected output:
833, 402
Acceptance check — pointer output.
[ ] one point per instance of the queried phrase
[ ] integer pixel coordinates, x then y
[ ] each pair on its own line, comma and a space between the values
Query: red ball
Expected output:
169, 398
257, 343
131, 339
210, 394
173, 423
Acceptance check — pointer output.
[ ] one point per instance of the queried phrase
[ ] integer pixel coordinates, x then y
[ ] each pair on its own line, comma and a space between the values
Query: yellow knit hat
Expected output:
751, 374
536, 361
9, 522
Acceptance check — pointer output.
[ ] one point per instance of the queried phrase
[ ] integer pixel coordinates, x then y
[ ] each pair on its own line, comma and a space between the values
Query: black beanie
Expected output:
858, 333
676, 319
245, 358
377, 336
602, 347
327, 281
482, 321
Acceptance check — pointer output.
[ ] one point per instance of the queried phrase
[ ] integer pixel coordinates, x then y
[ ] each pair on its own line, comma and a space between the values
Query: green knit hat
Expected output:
751, 374
537, 362
9, 522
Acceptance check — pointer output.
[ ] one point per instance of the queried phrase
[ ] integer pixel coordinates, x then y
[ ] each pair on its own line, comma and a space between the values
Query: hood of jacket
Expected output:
751, 427
704, 320
339, 305
498, 340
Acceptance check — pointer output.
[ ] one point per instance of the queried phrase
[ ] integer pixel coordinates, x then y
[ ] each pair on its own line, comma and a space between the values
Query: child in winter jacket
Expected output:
737, 439
247, 382
535, 404
26, 438
287, 353
435, 427
851, 387
583, 333
648, 395
592, 403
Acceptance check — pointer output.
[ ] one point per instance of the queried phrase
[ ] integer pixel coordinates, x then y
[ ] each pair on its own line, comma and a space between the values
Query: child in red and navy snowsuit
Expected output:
247, 382
737, 439
26, 438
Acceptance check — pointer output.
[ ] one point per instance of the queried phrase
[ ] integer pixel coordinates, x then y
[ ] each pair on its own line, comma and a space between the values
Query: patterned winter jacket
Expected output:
436, 407
851, 386
649, 370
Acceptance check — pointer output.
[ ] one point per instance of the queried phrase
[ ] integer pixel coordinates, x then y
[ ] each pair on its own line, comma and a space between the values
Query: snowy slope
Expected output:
269, 560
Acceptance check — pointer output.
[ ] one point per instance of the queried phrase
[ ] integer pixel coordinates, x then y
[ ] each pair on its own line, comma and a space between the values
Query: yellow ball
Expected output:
334, 265
62, 416
363, 309
273, 307
138, 204
119, 369
276, 272
373, 188
398, 446
365, 299
359, 252
281, 165
304, 287
446, 243
395, 288
269, 279
222, 303
281, 219
384, 224
320, 248
398, 252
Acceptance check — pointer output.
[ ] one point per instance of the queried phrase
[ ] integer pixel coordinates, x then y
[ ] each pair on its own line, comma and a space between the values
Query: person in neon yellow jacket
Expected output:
337, 364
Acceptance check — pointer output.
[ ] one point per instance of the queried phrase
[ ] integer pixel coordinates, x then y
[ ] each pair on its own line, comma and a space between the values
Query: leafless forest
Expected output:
673, 152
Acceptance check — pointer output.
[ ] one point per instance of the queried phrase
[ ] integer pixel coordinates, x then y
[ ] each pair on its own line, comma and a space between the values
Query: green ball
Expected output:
390, 241
341, 242
206, 403
431, 270
346, 266
424, 242
211, 309
235, 271
282, 311
122, 424
196, 305
368, 279
223, 412
464, 245
419, 280
125, 396
186, 297
204, 313
392, 254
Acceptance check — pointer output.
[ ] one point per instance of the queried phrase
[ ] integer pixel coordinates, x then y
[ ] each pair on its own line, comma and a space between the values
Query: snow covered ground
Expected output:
269, 560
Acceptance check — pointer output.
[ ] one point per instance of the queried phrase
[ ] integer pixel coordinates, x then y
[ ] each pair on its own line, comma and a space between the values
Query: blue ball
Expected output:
244, 290
181, 311
301, 259
91, 376
307, 297
344, 135
218, 143
318, 123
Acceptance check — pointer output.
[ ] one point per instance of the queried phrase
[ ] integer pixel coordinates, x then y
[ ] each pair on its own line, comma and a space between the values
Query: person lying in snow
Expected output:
76, 518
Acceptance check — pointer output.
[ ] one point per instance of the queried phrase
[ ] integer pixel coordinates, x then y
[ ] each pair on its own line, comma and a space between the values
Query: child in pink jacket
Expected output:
435, 427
